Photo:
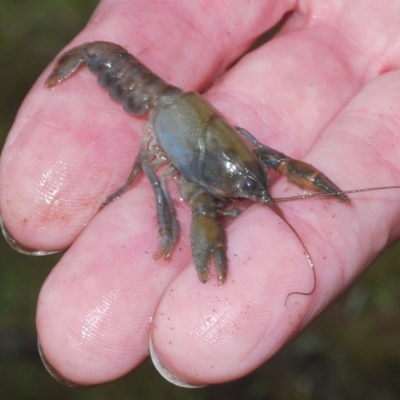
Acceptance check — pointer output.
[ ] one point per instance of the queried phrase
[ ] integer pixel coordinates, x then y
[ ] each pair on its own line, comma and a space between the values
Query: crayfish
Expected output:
215, 161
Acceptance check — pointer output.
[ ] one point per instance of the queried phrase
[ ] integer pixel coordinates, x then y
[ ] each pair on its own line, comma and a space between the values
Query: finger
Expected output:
95, 308
72, 146
227, 332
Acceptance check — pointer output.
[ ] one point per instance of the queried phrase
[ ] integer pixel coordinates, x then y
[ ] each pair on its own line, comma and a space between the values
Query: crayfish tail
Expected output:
129, 82
66, 66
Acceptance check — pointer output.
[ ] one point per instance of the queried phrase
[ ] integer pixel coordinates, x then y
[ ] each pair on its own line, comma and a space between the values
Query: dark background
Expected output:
351, 352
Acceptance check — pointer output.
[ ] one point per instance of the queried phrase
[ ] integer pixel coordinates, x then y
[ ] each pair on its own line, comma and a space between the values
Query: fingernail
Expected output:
53, 372
19, 247
167, 375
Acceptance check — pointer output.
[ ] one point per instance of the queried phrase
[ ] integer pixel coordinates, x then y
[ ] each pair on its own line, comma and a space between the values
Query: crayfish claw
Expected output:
302, 174
208, 241
202, 265
307, 176
221, 263
202, 269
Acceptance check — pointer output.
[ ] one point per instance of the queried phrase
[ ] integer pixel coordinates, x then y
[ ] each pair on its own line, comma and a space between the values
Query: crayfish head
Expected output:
252, 183
263, 197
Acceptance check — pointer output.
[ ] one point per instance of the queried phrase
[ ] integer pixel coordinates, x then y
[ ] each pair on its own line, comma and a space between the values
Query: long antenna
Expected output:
312, 196
274, 207
316, 195
308, 255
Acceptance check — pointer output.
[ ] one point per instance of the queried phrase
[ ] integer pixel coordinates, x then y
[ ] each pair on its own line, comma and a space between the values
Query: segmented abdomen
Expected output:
128, 80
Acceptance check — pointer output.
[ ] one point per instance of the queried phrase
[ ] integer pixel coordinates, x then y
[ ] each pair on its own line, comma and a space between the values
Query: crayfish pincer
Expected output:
216, 162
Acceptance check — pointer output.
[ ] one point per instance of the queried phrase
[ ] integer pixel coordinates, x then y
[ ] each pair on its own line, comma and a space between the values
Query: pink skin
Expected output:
320, 92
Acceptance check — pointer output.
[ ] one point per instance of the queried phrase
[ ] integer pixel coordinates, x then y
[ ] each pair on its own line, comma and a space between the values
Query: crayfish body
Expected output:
215, 161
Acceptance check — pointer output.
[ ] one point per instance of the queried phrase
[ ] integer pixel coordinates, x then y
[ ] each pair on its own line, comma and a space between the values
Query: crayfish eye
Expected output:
249, 184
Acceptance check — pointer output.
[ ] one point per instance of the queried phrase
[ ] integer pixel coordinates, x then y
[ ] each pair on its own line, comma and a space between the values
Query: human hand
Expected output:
317, 92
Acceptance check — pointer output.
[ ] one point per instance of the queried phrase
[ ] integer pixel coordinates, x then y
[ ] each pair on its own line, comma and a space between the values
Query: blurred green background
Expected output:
351, 352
